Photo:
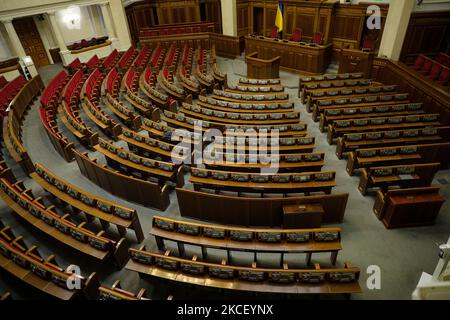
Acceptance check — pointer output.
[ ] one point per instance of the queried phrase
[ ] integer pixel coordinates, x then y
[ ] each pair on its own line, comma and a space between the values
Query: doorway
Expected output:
31, 40
258, 20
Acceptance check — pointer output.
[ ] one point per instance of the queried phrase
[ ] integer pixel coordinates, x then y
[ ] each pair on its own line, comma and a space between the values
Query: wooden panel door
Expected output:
31, 41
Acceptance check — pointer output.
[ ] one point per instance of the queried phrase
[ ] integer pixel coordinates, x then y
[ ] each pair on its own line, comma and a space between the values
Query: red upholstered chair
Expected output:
274, 32
368, 44
297, 35
420, 60
318, 38
426, 68
435, 70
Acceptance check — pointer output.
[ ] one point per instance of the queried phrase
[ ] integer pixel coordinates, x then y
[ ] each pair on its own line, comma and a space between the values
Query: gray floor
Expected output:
401, 254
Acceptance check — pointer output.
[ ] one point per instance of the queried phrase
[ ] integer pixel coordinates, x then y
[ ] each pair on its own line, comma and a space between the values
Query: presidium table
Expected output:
294, 56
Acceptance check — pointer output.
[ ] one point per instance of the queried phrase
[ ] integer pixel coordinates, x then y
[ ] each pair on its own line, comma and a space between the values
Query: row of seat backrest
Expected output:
85, 197
183, 77
29, 258
10, 90
117, 293
249, 97
163, 81
264, 140
94, 62
60, 142
127, 58
131, 79
364, 99
412, 107
255, 89
51, 95
248, 274
322, 235
432, 68
92, 84
430, 118
122, 185
142, 58
394, 134
111, 59
204, 76
99, 114
130, 156
260, 81
172, 56
136, 98
352, 91
75, 120
330, 77
73, 87
120, 106
165, 130
241, 116
157, 56
217, 72
113, 81
150, 141
151, 89
423, 170
245, 106
221, 158
186, 55
75, 65
257, 178
48, 214
336, 84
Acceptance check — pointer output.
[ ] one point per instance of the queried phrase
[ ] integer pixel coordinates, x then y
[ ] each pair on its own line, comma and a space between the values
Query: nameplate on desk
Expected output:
405, 177
302, 208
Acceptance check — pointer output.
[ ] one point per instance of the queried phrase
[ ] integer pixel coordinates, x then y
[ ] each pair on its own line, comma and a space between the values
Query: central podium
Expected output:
258, 68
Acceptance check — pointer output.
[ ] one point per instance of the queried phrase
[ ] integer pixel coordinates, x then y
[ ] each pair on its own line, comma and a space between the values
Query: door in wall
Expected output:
31, 40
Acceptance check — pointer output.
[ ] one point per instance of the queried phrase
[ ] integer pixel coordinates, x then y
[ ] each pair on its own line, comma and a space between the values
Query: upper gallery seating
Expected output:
84, 43
437, 69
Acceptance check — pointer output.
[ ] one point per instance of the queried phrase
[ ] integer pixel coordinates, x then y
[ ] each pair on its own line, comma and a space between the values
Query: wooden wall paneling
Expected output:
243, 18
428, 33
214, 13
270, 13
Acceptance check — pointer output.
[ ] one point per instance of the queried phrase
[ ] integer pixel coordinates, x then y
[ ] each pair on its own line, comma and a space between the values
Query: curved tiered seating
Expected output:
252, 278
282, 241
61, 144
106, 211
12, 132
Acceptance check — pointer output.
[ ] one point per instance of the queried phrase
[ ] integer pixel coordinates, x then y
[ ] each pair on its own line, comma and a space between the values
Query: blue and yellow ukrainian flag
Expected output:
279, 17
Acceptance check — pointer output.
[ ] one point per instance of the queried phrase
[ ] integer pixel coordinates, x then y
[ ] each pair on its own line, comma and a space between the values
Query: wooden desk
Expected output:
307, 215
293, 56
258, 68
412, 210
356, 61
